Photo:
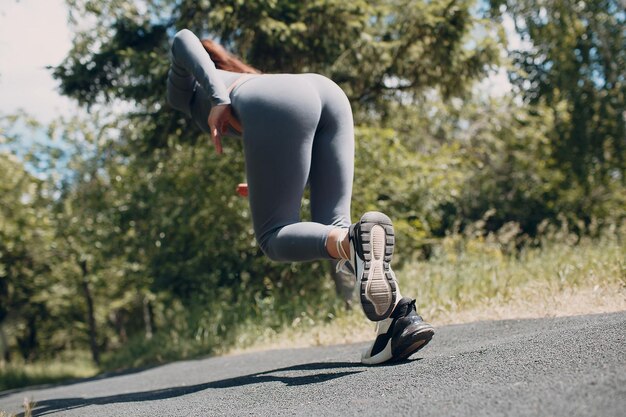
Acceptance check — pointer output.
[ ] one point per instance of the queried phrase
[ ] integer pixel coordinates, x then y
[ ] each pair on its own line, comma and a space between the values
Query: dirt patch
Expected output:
537, 301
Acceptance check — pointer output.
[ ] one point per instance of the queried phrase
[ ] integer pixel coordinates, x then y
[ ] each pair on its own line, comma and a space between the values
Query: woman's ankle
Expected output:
338, 243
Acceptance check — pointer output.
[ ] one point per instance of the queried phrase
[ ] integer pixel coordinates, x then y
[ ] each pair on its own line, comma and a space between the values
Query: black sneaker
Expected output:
399, 336
371, 249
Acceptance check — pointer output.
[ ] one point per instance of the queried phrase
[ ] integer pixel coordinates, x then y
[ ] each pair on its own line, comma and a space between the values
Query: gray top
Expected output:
193, 67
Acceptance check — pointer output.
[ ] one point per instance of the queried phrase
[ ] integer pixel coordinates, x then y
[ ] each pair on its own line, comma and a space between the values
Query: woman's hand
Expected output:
242, 189
220, 118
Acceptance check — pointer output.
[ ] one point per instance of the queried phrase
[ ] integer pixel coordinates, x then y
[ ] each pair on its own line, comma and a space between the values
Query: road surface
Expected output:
573, 366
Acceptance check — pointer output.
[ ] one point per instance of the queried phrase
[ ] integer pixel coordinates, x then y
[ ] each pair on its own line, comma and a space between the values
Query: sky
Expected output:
33, 35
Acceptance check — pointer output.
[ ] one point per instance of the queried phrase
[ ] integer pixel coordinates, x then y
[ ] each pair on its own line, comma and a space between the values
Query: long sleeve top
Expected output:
194, 84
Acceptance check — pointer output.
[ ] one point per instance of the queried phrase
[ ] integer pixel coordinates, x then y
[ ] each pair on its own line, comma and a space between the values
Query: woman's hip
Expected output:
277, 99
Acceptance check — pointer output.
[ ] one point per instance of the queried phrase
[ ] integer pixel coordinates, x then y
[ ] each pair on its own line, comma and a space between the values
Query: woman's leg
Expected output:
293, 133
280, 115
332, 162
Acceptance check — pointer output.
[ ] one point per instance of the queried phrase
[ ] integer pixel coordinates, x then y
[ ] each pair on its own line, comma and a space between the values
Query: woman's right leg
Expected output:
280, 115
332, 161
372, 238
285, 141
332, 172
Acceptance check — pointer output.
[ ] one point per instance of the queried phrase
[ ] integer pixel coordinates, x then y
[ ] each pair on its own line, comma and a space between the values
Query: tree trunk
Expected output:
4, 346
95, 352
32, 337
147, 317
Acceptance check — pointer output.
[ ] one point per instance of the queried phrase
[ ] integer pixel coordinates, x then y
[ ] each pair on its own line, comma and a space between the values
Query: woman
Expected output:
298, 129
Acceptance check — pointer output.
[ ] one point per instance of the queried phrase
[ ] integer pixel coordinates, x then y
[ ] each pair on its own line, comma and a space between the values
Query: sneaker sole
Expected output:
378, 287
418, 339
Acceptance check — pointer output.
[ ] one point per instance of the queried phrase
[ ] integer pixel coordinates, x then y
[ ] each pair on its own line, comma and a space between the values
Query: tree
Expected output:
575, 62
378, 51
26, 233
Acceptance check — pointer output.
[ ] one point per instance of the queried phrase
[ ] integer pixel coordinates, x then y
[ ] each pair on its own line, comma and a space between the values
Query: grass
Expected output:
483, 278
469, 273
466, 279
15, 375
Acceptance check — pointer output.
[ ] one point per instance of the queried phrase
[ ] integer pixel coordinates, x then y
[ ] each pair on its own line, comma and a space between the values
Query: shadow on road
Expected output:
52, 405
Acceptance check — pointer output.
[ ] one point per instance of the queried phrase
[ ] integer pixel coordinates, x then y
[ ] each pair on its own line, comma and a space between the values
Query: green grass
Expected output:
464, 273
16, 375
484, 277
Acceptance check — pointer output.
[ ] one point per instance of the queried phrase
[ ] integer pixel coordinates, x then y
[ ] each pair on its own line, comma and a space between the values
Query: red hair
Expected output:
224, 60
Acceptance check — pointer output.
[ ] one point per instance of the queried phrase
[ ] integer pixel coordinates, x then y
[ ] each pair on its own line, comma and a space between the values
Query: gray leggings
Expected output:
298, 128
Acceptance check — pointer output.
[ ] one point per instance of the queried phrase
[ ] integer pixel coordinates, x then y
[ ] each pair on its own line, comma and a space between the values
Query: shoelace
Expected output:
344, 265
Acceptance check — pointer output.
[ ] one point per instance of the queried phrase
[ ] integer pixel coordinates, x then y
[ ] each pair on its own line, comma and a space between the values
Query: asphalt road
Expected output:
570, 367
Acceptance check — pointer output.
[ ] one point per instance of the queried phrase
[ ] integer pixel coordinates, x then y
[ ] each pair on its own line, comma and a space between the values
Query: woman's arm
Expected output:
191, 63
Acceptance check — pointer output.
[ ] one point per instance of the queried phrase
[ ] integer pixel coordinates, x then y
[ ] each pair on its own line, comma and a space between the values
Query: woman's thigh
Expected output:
280, 115
332, 161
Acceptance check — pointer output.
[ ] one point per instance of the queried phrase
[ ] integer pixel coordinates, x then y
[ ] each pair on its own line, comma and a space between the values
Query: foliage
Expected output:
70, 365
574, 65
412, 186
375, 50
477, 267
26, 240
